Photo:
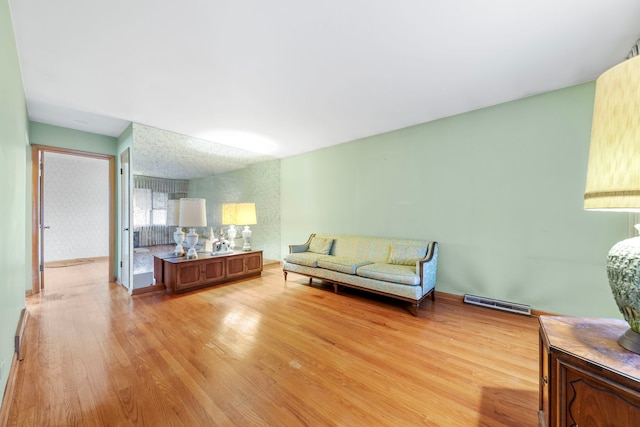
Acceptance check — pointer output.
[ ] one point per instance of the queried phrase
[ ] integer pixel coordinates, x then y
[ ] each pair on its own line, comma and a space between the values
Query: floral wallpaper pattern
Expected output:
160, 153
259, 183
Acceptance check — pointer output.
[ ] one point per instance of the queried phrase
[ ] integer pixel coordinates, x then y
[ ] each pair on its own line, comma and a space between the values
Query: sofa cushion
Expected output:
320, 245
390, 273
309, 259
342, 264
402, 254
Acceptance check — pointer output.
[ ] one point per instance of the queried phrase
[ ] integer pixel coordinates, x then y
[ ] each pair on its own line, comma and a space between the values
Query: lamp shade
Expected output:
229, 213
173, 212
613, 173
193, 213
246, 213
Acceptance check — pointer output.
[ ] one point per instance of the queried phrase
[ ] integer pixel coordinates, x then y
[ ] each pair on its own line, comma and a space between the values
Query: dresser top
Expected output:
170, 257
592, 339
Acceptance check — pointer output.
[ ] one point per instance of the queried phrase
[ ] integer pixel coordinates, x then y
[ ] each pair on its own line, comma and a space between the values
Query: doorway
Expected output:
73, 219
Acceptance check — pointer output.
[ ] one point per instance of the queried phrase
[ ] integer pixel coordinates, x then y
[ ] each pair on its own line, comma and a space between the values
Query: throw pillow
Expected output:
320, 245
406, 254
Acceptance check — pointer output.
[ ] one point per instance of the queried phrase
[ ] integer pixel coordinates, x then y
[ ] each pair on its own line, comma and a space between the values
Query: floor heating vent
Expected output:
497, 304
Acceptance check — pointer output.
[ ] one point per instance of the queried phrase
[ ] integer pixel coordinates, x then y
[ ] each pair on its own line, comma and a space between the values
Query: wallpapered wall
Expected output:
76, 207
258, 183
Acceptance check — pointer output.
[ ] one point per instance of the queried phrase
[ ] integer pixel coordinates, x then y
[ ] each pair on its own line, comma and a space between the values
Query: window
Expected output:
149, 207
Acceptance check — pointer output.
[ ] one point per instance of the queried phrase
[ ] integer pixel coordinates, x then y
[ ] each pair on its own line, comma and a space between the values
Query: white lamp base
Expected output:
192, 240
178, 237
232, 233
246, 237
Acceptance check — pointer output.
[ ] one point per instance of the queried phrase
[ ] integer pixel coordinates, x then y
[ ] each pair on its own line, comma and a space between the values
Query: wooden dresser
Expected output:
586, 378
180, 274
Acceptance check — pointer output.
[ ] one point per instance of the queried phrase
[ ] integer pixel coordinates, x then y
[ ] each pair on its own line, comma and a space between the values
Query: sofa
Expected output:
400, 268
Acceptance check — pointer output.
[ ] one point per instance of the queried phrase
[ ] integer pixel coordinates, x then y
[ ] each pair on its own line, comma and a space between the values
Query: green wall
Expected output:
13, 170
500, 189
71, 139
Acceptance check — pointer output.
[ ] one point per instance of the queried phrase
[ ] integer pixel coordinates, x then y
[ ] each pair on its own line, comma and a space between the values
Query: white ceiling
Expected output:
284, 77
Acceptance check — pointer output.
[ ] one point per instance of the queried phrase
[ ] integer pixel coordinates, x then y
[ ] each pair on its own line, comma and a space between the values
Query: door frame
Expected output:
36, 151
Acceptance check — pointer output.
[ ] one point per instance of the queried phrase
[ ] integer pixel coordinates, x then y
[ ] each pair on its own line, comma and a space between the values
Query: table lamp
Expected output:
613, 181
193, 213
246, 215
230, 218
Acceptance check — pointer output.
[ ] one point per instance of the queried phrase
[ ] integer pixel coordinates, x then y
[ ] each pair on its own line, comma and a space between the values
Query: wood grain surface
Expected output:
264, 352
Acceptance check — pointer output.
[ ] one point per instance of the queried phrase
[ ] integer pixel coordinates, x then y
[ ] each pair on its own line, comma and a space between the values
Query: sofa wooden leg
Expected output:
310, 280
335, 288
285, 276
414, 309
433, 295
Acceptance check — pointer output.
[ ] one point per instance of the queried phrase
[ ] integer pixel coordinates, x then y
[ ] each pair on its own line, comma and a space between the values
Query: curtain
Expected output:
161, 185
150, 203
152, 235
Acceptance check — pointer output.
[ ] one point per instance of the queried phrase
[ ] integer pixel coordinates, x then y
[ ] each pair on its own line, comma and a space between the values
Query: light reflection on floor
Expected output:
238, 331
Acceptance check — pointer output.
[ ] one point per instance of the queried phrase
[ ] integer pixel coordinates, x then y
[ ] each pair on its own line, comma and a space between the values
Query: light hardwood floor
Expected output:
272, 353
81, 272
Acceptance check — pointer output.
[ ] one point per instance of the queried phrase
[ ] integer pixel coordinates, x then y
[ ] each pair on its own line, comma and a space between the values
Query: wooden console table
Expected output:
180, 274
586, 377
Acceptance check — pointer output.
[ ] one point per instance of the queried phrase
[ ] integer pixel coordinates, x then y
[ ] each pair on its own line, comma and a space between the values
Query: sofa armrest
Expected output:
294, 249
427, 268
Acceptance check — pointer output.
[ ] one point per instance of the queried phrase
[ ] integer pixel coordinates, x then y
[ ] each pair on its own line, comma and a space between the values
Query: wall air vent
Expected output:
498, 305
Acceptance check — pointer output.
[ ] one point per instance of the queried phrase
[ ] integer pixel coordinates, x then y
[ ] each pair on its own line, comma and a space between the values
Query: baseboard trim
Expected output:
147, 289
13, 370
449, 297
271, 262
20, 330
8, 391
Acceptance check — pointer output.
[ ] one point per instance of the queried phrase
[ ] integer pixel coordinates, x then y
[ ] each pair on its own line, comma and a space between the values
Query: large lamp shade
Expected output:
246, 213
229, 213
193, 213
613, 173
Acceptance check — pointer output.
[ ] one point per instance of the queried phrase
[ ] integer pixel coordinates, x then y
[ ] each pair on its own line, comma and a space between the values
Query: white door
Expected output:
125, 215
